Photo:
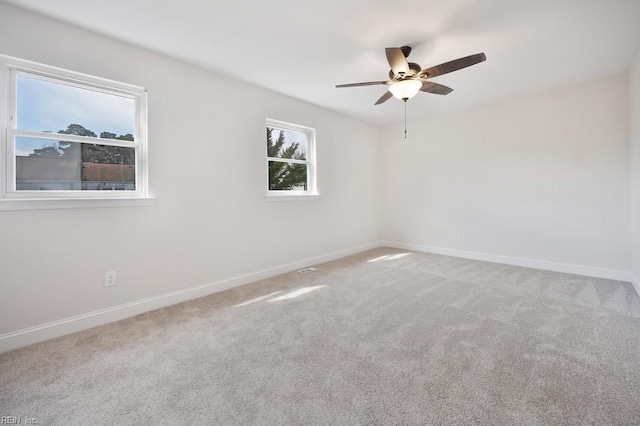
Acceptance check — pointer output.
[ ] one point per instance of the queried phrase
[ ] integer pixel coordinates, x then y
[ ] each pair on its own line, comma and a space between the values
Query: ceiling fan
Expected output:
406, 79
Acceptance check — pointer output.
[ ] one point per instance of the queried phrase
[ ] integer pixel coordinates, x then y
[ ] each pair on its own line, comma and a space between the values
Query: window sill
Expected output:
291, 197
72, 203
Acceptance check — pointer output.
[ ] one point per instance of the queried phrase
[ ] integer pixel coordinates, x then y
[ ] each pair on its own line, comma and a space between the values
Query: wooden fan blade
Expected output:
367, 83
454, 65
384, 98
438, 89
397, 60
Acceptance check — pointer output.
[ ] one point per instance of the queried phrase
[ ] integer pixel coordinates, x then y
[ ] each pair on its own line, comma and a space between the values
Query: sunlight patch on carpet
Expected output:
388, 257
296, 293
257, 299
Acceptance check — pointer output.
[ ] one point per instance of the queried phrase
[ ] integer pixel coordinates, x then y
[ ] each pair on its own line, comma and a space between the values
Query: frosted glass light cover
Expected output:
405, 89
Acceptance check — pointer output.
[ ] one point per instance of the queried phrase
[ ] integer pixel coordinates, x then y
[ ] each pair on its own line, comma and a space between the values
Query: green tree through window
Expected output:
90, 153
285, 175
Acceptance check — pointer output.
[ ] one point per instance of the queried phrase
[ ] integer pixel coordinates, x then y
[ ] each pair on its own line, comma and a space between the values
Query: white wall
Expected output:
634, 104
543, 177
207, 170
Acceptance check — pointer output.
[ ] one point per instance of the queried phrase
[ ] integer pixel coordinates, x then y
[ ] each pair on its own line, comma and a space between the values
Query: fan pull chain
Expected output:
405, 118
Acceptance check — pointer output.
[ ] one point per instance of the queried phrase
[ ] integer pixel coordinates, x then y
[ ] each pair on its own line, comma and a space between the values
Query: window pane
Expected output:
49, 165
287, 176
286, 144
45, 106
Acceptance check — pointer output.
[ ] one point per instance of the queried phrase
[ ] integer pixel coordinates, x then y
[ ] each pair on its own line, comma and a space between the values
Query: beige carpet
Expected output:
383, 337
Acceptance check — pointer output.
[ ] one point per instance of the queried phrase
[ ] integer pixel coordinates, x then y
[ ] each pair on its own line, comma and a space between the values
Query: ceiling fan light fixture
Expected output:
405, 89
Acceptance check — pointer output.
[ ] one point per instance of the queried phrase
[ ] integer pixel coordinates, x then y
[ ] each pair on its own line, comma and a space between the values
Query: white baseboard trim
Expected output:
612, 274
28, 336
635, 283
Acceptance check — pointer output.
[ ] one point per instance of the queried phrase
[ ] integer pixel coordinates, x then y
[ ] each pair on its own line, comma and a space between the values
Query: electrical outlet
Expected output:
461, 238
110, 278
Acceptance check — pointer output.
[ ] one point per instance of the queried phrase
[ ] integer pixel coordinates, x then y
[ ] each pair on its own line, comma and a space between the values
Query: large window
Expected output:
70, 135
290, 159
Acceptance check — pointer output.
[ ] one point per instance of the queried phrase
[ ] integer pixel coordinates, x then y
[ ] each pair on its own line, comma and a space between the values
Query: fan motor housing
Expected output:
414, 70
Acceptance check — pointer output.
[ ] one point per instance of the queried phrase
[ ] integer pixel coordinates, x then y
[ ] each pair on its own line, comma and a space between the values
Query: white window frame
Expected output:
10, 198
312, 184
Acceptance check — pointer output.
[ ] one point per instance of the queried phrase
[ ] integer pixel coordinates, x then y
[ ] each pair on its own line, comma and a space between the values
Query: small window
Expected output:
290, 159
70, 135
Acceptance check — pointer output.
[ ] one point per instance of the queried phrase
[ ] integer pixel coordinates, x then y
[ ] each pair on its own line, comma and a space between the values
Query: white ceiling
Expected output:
303, 48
